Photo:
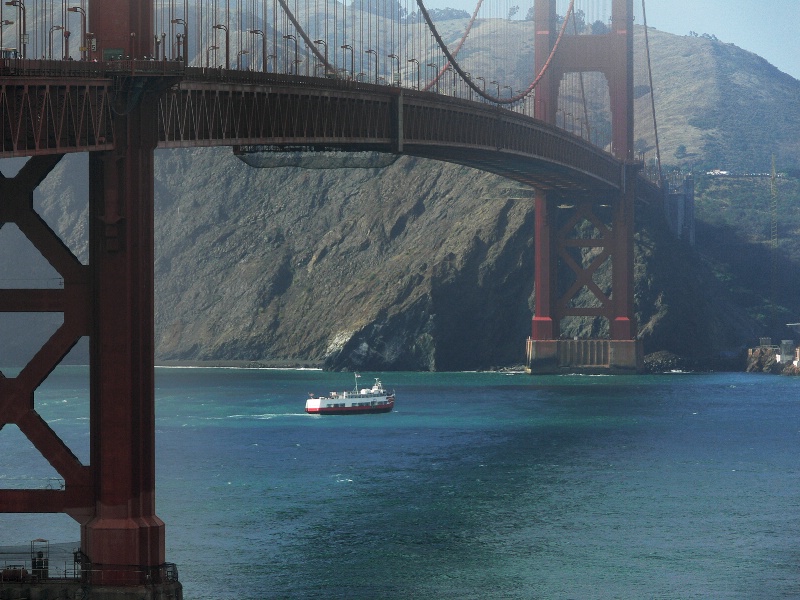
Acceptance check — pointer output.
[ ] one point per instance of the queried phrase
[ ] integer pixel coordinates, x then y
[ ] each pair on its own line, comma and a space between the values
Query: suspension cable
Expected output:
309, 43
475, 88
463, 39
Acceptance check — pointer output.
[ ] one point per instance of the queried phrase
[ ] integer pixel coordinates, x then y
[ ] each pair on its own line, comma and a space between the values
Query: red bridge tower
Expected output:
580, 238
110, 300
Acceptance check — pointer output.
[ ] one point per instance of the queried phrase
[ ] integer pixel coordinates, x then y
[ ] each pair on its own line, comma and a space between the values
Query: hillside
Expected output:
423, 265
729, 108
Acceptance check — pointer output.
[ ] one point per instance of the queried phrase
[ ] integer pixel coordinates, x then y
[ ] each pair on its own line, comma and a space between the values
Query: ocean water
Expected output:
477, 485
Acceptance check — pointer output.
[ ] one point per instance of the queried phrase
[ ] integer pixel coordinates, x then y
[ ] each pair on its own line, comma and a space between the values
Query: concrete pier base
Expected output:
76, 590
584, 356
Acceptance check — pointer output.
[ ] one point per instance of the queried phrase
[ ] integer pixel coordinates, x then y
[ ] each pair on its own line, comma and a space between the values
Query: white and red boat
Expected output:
373, 399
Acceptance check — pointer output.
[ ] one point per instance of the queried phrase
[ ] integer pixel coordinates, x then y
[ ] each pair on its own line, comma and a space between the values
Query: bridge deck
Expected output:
55, 107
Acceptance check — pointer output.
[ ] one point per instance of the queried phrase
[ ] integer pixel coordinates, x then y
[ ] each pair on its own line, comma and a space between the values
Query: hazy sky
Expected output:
768, 28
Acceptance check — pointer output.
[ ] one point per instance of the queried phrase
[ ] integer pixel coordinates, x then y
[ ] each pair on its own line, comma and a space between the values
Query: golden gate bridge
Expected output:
539, 93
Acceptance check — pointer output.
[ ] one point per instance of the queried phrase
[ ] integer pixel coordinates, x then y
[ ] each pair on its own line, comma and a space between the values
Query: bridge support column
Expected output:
584, 272
543, 328
542, 348
125, 539
623, 324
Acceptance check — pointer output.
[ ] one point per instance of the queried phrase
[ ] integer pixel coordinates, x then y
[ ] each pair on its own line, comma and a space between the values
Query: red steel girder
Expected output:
54, 116
17, 393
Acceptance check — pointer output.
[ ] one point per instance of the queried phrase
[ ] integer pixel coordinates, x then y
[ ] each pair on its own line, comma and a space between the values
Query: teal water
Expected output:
478, 485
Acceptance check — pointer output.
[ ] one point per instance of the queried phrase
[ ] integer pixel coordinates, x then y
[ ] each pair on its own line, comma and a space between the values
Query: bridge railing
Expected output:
88, 69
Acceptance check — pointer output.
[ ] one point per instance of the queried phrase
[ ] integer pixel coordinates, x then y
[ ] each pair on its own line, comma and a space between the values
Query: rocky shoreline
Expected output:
764, 360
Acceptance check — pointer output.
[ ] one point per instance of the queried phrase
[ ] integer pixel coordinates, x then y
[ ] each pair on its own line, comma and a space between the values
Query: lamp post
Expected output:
227, 44
324, 45
510, 91
208, 50
434, 66
82, 13
352, 59
416, 62
156, 47
67, 34
370, 51
483, 81
3, 23
289, 36
50, 47
239, 58
185, 38
177, 47
467, 82
498, 87
23, 37
263, 48
396, 77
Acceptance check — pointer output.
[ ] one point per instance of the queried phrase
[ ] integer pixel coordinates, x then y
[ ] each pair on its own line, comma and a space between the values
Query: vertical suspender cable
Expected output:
583, 92
652, 94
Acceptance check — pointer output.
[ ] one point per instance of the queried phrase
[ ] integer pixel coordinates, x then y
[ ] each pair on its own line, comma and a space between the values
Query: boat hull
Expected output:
351, 410
316, 406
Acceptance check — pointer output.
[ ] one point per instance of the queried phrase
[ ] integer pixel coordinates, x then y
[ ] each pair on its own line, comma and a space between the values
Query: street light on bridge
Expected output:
371, 51
208, 50
483, 81
416, 62
178, 46
396, 77
50, 46
23, 34
185, 39
289, 36
263, 48
239, 58
324, 45
352, 59
82, 13
227, 44
453, 71
434, 66
67, 34
497, 83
